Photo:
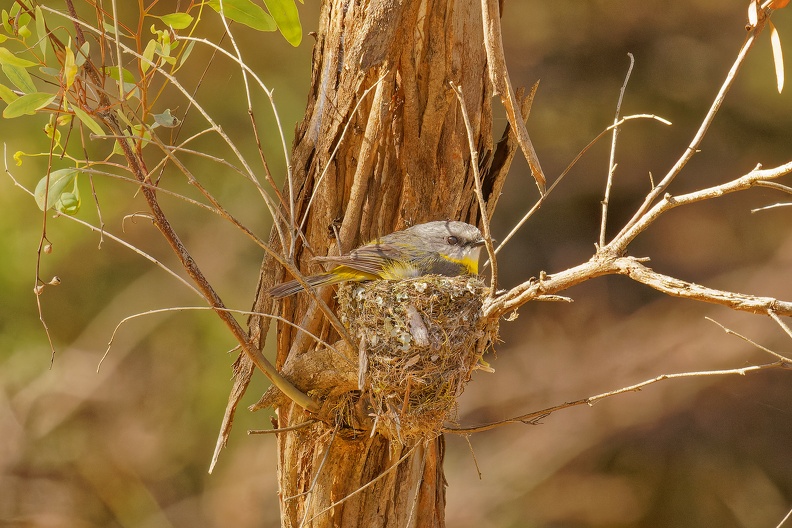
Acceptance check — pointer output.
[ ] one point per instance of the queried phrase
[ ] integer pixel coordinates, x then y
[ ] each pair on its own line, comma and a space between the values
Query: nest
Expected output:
419, 341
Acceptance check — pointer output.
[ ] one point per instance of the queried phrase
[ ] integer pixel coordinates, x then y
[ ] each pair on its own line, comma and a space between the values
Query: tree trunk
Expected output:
380, 95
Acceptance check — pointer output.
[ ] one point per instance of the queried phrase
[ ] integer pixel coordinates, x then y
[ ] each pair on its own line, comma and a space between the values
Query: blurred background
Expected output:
130, 445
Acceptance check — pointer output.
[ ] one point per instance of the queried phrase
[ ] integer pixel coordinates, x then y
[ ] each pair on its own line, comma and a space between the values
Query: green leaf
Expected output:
41, 32
164, 42
6, 23
83, 54
288, 19
70, 69
138, 133
8, 58
88, 121
177, 20
23, 19
165, 119
7, 94
245, 12
186, 52
64, 119
148, 55
69, 202
46, 198
128, 77
52, 72
28, 104
52, 132
19, 77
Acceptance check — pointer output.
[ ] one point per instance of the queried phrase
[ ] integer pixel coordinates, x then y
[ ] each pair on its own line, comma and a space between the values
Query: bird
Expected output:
441, 247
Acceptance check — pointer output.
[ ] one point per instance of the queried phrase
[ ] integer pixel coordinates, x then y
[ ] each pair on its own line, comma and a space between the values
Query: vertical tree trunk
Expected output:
380, 94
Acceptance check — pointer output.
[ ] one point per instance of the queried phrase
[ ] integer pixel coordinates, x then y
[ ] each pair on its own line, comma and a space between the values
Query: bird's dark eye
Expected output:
452, 240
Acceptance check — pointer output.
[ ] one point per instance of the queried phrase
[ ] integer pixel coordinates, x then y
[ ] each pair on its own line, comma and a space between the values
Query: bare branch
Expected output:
474, 163
602, 264
755, 177
580, 154
612, 159
678, 288
533, 418
757, 345
499, 76
660, 188
774, 316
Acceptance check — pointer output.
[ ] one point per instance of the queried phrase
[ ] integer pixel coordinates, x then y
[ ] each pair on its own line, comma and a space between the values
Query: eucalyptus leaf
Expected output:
186, 52
128, 76
166, 119
7, 23
52, 72
245, 12
7, 94
88, 121
27, 104
41, 32
288, 19
177, 20
148, 55
19, 77
83, 54
46, 198
8, 58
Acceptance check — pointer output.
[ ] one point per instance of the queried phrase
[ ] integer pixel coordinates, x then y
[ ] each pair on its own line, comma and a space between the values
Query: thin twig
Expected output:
620, 242
785, 519
138, 168
569, 167
612, 158
693, 147
533, 417
774, 316
757, 345
474, 163
297, 427
204, 308
499, 76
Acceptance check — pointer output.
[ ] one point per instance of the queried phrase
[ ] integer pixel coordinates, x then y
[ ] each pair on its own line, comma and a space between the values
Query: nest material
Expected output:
419, 342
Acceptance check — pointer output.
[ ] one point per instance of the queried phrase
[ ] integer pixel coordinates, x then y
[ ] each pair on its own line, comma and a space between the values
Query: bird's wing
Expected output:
371, 258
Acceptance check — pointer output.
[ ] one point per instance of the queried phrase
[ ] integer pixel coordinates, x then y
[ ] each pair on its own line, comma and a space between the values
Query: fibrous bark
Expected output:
382, 146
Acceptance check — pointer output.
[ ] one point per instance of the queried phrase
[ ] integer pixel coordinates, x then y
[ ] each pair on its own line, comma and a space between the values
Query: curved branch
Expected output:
755, 177
693, 148
499, 76
534, 417
741, 302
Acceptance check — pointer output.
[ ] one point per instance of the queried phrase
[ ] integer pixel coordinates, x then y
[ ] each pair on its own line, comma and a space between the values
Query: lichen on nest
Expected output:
419, 341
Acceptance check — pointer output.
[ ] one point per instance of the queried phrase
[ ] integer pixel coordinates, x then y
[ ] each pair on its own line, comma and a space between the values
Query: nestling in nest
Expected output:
419, 341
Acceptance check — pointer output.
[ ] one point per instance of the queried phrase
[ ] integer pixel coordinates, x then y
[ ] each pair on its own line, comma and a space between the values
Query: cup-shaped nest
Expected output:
419, 341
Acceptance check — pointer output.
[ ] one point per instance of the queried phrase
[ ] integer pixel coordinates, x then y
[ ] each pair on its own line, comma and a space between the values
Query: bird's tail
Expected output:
291, 287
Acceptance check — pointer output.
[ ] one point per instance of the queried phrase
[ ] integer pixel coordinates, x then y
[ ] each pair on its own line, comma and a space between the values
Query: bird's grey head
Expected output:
458, 240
